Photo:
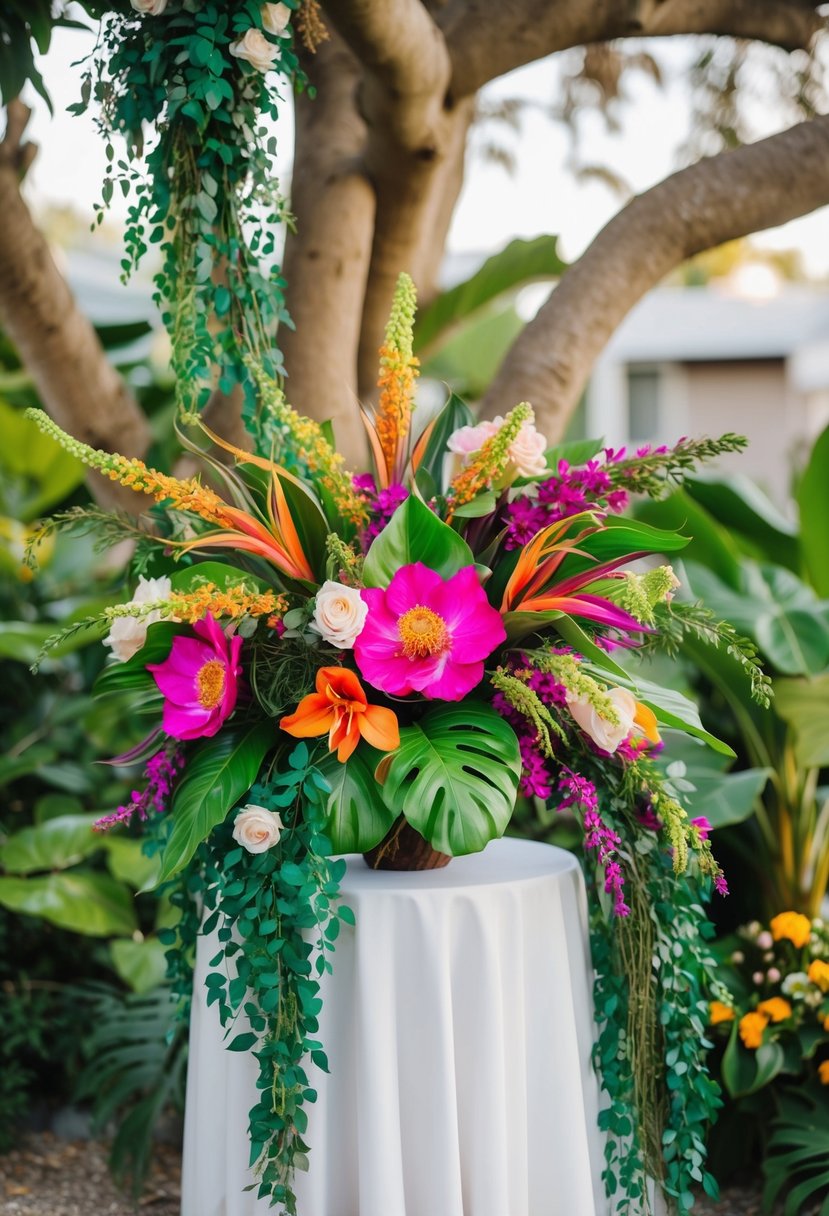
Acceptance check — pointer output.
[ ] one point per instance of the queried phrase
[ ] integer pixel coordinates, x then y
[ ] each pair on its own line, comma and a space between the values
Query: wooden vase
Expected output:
403, 848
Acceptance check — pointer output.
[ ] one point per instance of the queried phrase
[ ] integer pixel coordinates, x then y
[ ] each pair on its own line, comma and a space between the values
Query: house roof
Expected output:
693, 324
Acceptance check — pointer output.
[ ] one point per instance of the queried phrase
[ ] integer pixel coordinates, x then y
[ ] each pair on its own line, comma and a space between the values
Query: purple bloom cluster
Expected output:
535, 776
582, 796
382, 504
160, 773
567, 493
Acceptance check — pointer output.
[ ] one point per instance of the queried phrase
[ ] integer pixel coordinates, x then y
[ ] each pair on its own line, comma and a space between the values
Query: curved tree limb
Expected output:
75, 381
719, 199
487, 39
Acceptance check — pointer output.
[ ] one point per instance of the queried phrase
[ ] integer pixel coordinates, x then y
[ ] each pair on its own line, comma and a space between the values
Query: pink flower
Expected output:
200, 681
467, 440
703, 826
428, 634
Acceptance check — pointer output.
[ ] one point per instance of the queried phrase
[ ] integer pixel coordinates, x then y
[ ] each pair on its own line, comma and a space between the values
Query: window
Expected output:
643, 404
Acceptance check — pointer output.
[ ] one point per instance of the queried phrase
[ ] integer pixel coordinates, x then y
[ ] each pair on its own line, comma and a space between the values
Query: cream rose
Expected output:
154, 8
339, 614
467, 440
275, 17
128, 634
604, 733
527, 450
255, 47
257, 829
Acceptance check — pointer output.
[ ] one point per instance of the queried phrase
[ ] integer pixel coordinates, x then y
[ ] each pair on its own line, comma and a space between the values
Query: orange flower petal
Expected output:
645, 719
350, 739
313, 716
340, 683
379, 727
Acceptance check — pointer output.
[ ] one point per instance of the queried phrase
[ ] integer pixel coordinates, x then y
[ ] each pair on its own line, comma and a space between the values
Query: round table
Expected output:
458, 1026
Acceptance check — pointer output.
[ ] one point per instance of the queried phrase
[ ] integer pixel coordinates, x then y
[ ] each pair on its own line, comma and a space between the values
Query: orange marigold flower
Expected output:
719, 1012
819, 974
775, 1008
340, 708
752, 1026
791, 926
823, 1072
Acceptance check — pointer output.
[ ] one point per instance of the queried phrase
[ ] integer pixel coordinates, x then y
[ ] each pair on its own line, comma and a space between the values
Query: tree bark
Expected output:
326, 261
75, 381
719, 199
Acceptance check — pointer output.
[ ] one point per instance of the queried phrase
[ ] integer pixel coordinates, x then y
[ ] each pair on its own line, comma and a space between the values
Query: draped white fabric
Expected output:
458, 1026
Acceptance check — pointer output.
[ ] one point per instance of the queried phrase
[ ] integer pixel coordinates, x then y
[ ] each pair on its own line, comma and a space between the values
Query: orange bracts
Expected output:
339, 707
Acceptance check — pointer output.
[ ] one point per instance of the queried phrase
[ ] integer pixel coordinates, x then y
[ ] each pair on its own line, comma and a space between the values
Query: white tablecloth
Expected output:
458, 1026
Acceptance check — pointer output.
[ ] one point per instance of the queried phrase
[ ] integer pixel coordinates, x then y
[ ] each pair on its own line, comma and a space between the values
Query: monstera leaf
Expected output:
455, 776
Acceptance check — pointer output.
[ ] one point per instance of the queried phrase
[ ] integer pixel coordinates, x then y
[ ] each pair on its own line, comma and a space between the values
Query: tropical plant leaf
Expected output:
219, 573
133, 673
55, 844
673, 709
742, 507
711, 545
576, 452
357, 816
813, 500
804, 704
219, 774
128, 862
455, 414
415, 534
84, 902
744, 1071
520, 262
140, 964
455, 776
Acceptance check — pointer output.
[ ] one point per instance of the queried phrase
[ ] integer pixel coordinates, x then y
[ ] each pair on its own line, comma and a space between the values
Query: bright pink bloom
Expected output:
428, 634
703, 826
200, 681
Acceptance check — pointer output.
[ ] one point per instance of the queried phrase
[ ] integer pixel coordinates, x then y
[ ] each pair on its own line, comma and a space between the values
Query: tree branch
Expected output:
75, 381
487, 39
326, 260
719, 199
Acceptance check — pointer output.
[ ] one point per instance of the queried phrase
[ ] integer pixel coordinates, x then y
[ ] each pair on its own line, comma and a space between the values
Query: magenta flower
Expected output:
428, 634
200, 681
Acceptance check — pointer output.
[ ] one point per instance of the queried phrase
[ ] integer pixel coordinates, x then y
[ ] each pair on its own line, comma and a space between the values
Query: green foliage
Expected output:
520, 262
797, 1160
432, 475
198, 166
455, 776
276, 918
813, 500
220, 772
357, 818
415, 534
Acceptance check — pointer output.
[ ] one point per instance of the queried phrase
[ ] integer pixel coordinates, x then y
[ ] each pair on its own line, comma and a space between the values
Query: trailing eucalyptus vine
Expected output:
190, 86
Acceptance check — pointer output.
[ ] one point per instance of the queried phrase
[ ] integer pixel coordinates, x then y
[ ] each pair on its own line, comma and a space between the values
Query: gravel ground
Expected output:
51, 1177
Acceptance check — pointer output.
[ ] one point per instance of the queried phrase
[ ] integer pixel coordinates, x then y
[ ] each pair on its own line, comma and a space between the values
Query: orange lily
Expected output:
339, 707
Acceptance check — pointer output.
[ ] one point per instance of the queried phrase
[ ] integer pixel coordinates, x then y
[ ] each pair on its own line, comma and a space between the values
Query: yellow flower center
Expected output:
210, 683
422, 633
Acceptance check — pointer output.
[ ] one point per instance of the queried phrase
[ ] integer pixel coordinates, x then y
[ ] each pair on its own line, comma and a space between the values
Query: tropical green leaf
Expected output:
804, 704
616, 539
220, 573
455, 776
45, 473
220, 773
415, 534
710, 545
23, 641
55, 844
576, 452
128, 862
723, 798
673, 709
520, 262
744, 1071
470, 356
89, 903
133, 673
741, 506
357, 816
455, 414
813, 500
140, 964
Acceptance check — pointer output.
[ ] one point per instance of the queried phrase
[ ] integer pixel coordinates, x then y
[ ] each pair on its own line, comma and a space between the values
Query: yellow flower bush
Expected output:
776, 1009
720, 1012
793, 927
752, 1026
819, 974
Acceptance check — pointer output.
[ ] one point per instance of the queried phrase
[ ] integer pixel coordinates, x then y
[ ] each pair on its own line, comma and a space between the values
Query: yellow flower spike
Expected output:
487, 465
719, 1012
398, 372
793, 927
751, 1029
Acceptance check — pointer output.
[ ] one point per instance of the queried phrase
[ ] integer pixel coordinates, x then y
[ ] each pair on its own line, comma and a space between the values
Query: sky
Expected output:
539, 196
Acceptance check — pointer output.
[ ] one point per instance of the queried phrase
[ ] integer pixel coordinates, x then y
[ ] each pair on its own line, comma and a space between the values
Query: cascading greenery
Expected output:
198, 170
276, 917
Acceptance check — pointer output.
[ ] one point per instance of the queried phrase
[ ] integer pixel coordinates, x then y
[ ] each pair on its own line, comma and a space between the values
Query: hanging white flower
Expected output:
256, 49
275, 17
128, 634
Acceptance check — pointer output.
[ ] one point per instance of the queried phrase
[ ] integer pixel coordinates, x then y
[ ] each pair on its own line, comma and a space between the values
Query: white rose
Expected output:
275, 17
527, 450
257, 829
255, 47
605, 734
339, 614
128, 634
153, 7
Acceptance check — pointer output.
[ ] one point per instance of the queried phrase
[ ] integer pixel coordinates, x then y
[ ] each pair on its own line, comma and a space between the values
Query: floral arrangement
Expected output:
330, 664
770, 1022
186, 87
